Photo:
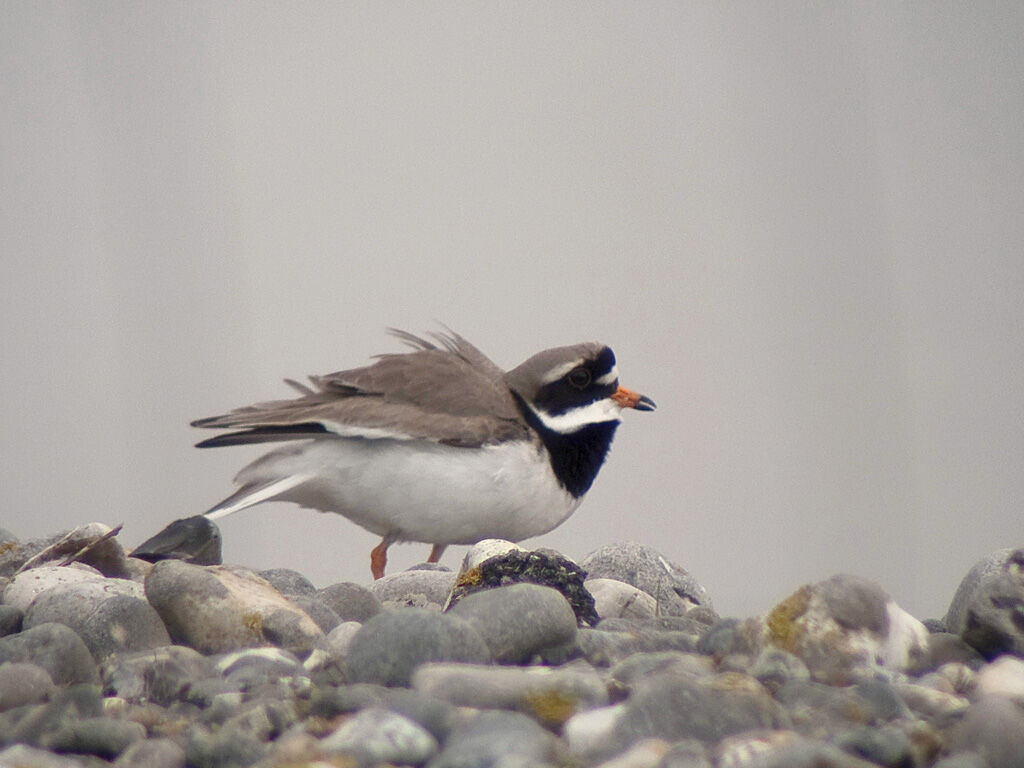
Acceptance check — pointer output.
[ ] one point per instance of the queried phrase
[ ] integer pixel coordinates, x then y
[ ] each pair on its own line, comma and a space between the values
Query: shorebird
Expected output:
437, 445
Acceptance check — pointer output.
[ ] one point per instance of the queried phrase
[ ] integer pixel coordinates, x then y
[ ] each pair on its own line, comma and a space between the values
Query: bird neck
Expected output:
575, 457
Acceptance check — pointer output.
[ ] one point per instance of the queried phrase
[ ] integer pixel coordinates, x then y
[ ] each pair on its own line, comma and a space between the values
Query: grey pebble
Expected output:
498, 740
674, 589
888, 746
216, 609
225, 748
994, 729
28, 585
414, 589
161, 675
123, 624
152, 753
321, 613
550, 696
378, 735
24, 756
22, 684
77, 702
388, 647
350, 601
288, 582
614, 598
101, 736
55, 648
519, 620
603, 648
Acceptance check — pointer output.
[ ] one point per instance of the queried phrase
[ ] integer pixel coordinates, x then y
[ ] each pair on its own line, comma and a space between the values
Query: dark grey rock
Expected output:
152, 753
10, 620
993, 728
55, 648
101, 736
646, 569
377, 735
223, 749
514, 565
351, 602
264, 720
161, 675
886, 746
497, 739
391, 645
879, 701
519, 620
414, 589
988, 608
288, 582
724, 638
195, 540
22, 684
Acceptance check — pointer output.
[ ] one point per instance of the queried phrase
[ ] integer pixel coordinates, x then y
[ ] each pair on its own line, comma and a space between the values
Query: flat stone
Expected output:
376, 735
519, 620
496, 738
549, 695
605, 648
674, 589
100, 736
24, 756
216, 609
388, 647
22, 684
350, 601
55, 648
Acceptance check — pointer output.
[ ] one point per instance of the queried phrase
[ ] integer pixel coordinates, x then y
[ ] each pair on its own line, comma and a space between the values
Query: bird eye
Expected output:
579, 377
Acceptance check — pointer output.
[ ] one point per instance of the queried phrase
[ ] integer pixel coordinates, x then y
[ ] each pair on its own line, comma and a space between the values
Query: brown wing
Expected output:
452, 395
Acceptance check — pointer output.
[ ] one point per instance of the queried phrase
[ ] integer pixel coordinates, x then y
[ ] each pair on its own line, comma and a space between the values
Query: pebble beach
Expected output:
521, 657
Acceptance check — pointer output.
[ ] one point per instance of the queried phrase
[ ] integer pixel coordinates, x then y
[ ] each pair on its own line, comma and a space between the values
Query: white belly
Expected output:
420, 491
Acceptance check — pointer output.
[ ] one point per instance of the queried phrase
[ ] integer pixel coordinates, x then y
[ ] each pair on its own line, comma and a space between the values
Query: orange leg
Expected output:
379, 558
435, 552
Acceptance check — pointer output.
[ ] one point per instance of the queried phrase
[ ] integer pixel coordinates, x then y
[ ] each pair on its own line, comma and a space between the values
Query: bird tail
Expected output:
254, 493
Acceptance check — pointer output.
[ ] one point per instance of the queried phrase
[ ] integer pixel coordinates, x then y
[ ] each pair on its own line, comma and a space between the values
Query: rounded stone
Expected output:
160, 675
350, 601
152, 753
216, 609
288, 582
415, 589
671, 585
54, 647
22, 683
101, 736
519, 620
376, 735
388, 647
498, 739
28, 585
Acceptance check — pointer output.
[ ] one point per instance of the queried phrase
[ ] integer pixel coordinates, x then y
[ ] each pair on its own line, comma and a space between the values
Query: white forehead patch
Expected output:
559, 371
575, 419
609, 378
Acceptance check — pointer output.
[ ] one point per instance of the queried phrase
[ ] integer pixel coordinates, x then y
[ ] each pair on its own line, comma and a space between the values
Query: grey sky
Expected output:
799, 226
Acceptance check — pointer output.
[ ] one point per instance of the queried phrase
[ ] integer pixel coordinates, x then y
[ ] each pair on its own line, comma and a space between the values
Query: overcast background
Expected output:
799, 225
